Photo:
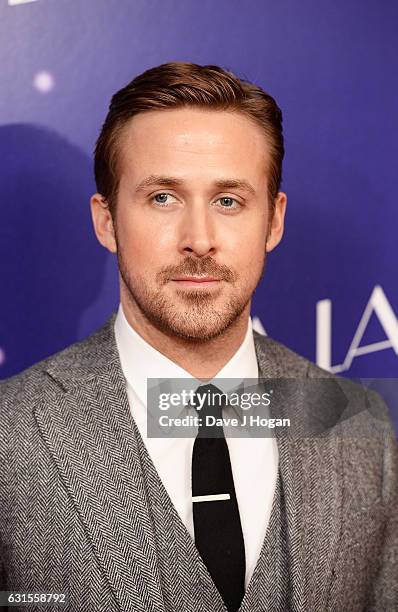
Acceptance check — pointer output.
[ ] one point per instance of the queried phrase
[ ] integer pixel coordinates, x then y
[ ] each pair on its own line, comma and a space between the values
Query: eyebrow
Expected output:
169, 181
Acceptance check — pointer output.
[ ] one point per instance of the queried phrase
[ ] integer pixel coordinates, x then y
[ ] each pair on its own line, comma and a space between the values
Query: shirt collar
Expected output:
140, 360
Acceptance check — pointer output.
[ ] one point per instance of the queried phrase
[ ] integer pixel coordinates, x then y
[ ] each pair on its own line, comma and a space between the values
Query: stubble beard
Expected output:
194, 317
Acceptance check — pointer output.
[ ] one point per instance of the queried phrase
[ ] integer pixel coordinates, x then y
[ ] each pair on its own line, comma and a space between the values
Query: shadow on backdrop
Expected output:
52, 266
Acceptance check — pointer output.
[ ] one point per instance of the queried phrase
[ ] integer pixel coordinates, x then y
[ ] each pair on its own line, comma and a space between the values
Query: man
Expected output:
188, 171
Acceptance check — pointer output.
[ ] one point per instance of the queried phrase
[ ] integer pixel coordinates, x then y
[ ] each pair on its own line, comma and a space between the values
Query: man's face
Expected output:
192, 202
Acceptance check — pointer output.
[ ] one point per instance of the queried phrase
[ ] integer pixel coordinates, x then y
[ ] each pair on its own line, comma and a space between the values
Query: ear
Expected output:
103, 222
276, 227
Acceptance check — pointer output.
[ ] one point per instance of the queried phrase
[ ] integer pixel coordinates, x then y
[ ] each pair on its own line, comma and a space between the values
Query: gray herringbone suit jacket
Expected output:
83, 511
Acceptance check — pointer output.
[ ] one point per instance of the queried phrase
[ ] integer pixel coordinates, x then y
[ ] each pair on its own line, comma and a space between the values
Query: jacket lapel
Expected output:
312, 479
85, 421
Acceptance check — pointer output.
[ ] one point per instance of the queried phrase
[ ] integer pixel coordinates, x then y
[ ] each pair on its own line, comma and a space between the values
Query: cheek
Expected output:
144, 245
247, 247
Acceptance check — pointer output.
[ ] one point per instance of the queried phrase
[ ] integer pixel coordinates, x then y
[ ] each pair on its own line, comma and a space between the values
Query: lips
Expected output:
196, 279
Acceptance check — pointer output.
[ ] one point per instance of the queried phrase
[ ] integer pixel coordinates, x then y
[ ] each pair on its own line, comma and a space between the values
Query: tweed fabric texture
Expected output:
80, 510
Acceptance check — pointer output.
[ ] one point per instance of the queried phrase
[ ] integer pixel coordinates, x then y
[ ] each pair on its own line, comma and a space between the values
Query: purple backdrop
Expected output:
330, 289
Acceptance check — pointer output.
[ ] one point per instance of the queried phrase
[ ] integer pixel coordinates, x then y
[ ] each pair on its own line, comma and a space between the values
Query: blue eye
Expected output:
161, 195
228, 201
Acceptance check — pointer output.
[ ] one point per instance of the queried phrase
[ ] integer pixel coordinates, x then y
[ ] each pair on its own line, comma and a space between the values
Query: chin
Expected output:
200, 329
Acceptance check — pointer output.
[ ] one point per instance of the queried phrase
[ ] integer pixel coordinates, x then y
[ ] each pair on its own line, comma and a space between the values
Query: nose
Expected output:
197, 231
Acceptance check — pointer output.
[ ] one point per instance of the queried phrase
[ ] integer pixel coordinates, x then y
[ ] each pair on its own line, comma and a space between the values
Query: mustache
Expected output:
197, 267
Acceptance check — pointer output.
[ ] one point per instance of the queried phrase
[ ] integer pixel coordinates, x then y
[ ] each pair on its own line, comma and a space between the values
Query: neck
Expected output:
202, 360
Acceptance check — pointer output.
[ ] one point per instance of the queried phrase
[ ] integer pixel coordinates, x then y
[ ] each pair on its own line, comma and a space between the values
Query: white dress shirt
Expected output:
254, 461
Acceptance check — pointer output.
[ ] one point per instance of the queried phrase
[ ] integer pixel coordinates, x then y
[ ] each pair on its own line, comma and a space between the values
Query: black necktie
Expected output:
218, 530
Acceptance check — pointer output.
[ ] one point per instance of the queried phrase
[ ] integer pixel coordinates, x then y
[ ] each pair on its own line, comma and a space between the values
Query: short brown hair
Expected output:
184, 84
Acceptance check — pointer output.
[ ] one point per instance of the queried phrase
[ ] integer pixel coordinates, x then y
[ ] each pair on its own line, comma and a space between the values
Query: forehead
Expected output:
192, 142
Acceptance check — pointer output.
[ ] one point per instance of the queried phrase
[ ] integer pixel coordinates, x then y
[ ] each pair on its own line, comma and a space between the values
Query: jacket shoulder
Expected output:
288, 363
363, 405
77, 360
24, 386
